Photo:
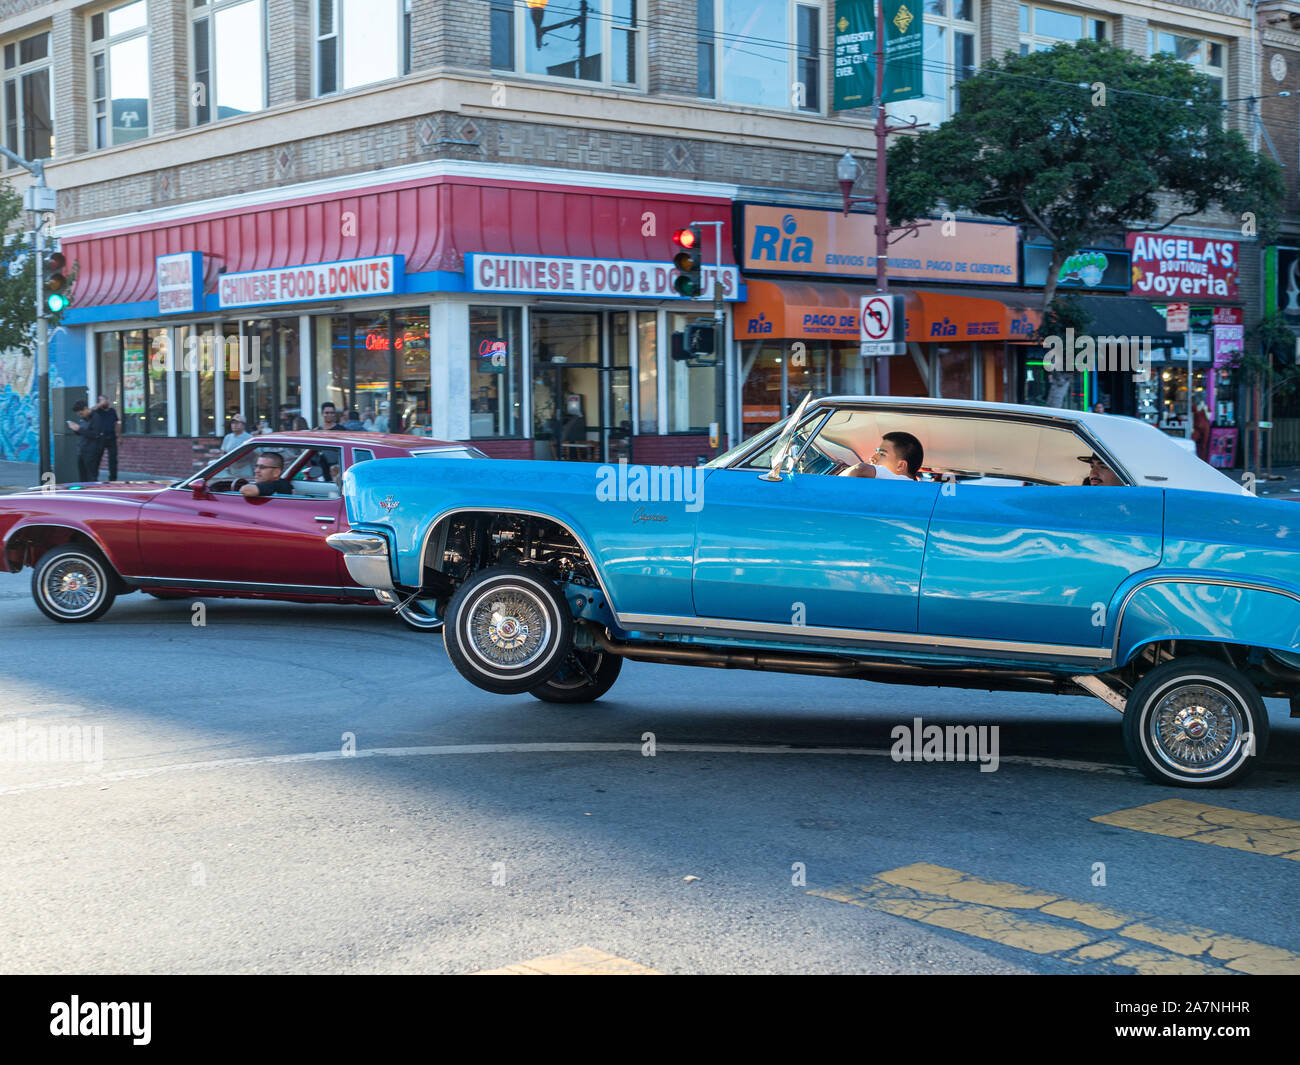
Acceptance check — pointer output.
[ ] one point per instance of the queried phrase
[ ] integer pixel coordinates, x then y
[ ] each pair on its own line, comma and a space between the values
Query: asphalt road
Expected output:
226, 829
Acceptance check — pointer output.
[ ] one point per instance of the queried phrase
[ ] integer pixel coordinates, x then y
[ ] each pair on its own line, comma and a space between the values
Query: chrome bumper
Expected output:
366, 557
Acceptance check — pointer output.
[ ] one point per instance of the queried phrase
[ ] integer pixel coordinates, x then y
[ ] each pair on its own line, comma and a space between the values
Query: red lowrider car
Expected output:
89, 543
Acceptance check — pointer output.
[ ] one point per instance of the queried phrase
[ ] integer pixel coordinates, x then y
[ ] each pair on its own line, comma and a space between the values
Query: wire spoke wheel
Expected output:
73, 583
508, 629
1195, 722
1196, 727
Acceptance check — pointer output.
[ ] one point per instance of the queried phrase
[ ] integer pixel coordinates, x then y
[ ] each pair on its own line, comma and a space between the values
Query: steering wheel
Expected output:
238, 483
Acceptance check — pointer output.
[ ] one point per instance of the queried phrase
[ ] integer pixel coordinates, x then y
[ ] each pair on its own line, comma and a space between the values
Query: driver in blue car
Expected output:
898, 458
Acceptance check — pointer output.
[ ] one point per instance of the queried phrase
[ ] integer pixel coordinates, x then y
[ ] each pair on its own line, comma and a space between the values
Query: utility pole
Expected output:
40, 200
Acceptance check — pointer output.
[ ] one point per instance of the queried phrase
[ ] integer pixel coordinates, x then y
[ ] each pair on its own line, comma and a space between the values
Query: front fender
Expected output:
37, 522
1201, 606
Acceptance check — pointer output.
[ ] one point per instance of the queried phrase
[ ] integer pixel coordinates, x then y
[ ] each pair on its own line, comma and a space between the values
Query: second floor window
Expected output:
761, 53
229, 59
1208, 57
119, 74
359, 42
28, 127
1042, 28
586, 40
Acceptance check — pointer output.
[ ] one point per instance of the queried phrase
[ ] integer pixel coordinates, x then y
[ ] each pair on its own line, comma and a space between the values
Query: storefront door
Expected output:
581, 403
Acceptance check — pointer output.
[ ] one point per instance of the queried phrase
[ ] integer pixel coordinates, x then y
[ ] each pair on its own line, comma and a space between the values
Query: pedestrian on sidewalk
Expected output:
87, 443
103, 421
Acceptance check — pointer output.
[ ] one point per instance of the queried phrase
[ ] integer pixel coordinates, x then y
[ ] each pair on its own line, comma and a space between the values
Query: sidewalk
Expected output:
15, 476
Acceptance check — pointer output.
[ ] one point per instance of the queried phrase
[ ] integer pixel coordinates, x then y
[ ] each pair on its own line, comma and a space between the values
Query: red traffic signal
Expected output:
688, 282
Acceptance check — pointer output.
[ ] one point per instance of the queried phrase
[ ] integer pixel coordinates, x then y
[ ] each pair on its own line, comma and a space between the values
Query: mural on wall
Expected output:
18, 417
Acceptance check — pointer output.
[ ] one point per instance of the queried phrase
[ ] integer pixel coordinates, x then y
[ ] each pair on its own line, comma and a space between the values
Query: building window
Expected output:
359, 42
132, 373
1208, 57
569, 39
29, 130
647, 356
377, 364
692, 390
229, 59
119, 74
496, 370
761, 53
1042, 28
947, 60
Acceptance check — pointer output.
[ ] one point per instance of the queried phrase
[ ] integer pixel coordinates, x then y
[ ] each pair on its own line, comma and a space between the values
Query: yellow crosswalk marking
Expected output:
581, 961
1044, 923
1217, 825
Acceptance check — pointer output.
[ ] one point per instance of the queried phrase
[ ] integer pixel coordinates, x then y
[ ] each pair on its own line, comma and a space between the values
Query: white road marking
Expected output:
516, 748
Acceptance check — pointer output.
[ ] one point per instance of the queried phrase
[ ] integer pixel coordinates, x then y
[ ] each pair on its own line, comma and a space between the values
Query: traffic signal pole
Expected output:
38, 198
719, 340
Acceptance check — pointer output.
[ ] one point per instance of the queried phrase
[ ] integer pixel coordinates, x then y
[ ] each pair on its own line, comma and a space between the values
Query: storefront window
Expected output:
761, 395
411, 366
692, 390
133, 382
110, 368
954, 365
376, 364
228, 382
647, 358
495, 371
156, 382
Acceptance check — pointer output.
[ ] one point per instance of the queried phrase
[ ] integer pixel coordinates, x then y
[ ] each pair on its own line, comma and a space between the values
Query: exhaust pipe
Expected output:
829, 666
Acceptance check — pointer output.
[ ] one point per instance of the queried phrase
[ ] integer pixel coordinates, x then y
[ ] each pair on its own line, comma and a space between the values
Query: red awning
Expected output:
433, 223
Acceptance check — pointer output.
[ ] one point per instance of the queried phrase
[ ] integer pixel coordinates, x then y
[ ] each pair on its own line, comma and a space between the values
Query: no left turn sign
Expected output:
877, 318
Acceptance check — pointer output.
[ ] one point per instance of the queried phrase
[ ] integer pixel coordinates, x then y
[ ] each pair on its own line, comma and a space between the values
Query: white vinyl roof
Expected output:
1150, 456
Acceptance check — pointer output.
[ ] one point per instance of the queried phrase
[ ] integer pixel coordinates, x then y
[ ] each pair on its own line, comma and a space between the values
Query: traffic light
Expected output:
687, 262
56, 282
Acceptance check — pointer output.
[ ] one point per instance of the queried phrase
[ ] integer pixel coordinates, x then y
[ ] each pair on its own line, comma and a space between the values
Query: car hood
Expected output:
118, 490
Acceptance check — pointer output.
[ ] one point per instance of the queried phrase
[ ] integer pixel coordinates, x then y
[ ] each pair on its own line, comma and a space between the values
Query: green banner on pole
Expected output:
855, 43
904, 37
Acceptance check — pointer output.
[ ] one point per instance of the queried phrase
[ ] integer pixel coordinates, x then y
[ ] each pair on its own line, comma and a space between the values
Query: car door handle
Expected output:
208, 514
326, 518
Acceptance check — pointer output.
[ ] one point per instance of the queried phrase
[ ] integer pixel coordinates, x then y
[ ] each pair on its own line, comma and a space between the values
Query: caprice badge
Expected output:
388, 503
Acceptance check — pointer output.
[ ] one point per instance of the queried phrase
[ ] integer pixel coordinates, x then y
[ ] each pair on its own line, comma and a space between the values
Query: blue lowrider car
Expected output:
1162, 587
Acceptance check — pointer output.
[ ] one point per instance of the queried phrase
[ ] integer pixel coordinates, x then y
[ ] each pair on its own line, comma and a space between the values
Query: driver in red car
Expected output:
266, 477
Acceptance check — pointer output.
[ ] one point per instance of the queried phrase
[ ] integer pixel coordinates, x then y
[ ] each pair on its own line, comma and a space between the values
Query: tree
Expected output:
17, 277
1080, 143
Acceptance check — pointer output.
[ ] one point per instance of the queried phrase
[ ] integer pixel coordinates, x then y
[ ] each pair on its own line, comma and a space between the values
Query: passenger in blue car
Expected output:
1099, 473
898, 458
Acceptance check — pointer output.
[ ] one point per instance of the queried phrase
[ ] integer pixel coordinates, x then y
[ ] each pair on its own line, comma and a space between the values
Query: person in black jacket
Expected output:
87, 443
103, 420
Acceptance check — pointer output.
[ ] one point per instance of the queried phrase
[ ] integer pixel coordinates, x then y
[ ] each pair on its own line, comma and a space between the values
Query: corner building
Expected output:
455, 216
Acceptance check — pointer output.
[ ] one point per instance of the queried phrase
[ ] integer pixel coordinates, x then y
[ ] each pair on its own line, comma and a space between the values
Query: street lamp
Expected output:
847, 170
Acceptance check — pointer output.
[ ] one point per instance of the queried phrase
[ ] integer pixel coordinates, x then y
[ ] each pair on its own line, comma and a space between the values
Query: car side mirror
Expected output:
199, 489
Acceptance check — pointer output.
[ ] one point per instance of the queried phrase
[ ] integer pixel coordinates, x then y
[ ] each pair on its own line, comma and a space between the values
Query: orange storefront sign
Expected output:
791, 310
793, 240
